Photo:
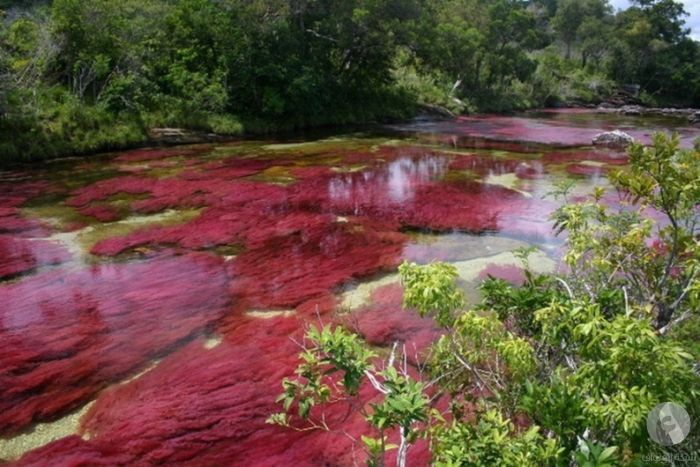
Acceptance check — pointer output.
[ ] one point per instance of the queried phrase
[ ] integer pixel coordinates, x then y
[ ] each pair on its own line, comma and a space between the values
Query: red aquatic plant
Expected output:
288, 270
154, 154
509, 273
586, 170
19, 255
209, 406
384, 322
101, 212
99, 191
66, 335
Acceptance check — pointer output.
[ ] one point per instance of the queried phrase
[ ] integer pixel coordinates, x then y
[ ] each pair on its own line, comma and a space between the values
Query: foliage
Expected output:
431, 290
327, 351
493, 440
625, 259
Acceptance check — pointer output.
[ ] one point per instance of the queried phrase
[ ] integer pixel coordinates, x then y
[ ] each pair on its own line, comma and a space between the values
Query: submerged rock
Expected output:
614, 138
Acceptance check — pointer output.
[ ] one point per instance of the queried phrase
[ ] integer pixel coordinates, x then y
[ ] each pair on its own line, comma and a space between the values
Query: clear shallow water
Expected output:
148, 297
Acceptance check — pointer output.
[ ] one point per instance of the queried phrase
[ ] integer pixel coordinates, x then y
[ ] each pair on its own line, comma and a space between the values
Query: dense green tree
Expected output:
655, 52
482, 46
73, 70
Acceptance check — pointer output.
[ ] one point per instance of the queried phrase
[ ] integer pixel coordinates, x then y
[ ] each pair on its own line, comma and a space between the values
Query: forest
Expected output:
77, 77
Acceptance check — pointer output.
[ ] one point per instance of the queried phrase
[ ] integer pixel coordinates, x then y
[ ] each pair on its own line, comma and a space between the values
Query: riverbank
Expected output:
117, 136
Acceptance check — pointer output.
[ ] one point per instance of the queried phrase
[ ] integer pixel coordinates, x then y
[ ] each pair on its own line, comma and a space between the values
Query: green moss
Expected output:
58, 215
279, 175
80, 242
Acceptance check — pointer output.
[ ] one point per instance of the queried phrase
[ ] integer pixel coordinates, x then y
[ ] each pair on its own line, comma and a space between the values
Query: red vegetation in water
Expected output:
484, 165
494, 131
154, 154
529, 170
230, 168
12, 222
66, 335
99, 191
19, 255
509, 273
405, 194
401, 193
585, 170
14, 195
208, 407
609, 157
101, 212
384, 321
290, 269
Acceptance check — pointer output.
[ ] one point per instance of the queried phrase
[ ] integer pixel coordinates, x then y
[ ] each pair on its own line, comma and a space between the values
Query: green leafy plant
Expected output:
627, 258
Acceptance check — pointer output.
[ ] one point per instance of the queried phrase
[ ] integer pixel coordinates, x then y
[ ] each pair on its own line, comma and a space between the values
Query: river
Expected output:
150, 299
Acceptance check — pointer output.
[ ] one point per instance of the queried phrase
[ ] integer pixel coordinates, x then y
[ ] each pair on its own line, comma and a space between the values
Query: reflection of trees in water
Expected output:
393, 182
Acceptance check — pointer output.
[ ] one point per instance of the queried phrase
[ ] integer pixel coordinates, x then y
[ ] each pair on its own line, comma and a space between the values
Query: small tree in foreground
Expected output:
557, 371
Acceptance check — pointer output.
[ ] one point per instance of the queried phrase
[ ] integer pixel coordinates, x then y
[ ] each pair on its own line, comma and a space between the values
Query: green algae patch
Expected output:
80, 242
457, 176
58, 216
278, 175
353, 143
349, 168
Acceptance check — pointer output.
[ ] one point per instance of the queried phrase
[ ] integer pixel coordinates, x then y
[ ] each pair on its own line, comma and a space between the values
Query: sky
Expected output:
691, 6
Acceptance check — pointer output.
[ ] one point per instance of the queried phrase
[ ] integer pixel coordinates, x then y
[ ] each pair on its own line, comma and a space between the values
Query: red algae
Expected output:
19, 255
99, 191
404, 193
12, 197
339, 216
384, 322
230, 168
14, 223
586, 170
289, 270
509, 273
568, 129
530, 171
101, 212
208, 407
157, 154
66, 335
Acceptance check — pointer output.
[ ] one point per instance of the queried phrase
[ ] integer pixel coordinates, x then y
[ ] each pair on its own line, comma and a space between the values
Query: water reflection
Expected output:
393, 182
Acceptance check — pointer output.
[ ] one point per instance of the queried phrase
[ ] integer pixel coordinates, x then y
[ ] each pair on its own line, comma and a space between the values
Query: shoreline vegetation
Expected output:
177, 136
85, 77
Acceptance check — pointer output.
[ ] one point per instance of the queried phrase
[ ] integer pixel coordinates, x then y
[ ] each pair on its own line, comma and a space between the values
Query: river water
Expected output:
150, 300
